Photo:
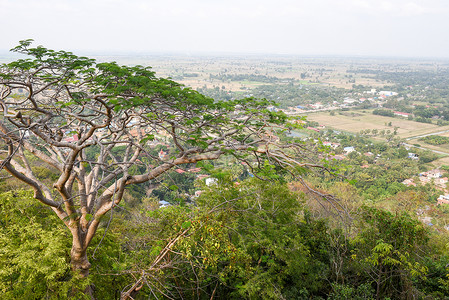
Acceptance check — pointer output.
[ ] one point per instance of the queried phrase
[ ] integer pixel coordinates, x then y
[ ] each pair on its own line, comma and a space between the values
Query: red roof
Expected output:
401, 113
315, 129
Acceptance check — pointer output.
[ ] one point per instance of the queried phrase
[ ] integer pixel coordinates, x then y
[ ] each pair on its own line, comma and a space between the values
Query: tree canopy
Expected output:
57, 106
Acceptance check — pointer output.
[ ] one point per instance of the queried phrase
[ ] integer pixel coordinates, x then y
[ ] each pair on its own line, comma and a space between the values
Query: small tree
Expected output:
389, 250
69, 105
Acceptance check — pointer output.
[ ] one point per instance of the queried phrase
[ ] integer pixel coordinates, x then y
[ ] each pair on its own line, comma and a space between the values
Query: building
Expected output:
402, 114
435, 173
210, 181
331, 144
348, 150
409, 182
163, 155
443, 199
387, 93
314, 129
413, 156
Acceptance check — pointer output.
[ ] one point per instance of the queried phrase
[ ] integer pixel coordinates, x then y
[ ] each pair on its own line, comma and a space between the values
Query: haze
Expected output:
398, 28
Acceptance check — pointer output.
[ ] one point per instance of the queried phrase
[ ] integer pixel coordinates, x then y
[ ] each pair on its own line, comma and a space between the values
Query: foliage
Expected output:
383, 112
34, 249
343, 292
34, 254
84, 134
435, 140
249, 240
389, 249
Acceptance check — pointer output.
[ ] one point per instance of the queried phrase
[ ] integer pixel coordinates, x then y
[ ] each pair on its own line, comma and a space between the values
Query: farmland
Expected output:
354, 121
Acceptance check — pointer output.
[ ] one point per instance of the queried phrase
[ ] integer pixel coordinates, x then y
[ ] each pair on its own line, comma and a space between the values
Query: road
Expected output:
424, 135
422, 148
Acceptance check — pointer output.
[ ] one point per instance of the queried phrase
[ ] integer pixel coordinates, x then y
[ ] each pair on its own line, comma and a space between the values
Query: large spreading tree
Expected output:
94, 125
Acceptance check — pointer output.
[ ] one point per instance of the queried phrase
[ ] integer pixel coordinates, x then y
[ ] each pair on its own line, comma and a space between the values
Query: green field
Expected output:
354, 121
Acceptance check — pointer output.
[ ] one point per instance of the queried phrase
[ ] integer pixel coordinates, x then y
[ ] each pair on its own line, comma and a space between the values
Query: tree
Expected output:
248, 240
68, 105
389, 249
26, 228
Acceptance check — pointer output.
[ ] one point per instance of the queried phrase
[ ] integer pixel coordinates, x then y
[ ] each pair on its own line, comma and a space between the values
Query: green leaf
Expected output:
186, 224
149, 137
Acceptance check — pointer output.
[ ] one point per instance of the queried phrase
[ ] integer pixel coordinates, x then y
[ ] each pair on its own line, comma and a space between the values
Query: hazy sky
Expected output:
411, 28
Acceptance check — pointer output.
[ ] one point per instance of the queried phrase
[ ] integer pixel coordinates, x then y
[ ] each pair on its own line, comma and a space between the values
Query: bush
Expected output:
435, 140
383, 112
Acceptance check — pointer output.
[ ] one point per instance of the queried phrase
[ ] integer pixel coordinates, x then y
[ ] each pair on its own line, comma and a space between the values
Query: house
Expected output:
349, 101
163, 203
317, 105
163, 155
413, 156
401, 114
435, 173
409, 182
443, 199
387, 93
348, 150
331, 144
314, 129
210, 181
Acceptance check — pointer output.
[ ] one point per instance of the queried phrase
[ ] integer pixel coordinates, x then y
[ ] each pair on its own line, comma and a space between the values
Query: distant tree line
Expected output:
249, 77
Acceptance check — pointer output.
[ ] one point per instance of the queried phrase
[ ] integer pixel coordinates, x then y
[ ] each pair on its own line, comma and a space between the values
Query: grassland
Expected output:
442, 148
355, 121
361, 120
318, 70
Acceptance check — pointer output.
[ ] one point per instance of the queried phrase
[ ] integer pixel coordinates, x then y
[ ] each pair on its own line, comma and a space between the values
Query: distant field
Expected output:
444, 147
327, 71
442, 161
358, 121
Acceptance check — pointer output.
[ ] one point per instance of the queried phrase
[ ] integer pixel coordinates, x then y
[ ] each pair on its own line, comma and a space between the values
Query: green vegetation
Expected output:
121, 184
435, 139
245, 77
252, 240
383, 112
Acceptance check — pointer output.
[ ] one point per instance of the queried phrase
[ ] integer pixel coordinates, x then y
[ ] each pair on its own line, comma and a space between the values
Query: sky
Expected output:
390, 28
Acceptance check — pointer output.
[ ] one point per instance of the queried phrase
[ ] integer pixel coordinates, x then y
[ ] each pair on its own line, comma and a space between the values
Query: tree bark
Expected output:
79, 262
81, 265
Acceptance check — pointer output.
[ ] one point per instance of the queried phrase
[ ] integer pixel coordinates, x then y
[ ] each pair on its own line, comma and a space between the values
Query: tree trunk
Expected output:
81, 265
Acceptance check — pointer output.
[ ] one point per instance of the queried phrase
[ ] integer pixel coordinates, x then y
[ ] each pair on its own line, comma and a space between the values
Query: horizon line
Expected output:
100, 53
